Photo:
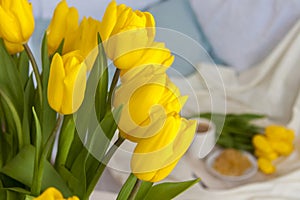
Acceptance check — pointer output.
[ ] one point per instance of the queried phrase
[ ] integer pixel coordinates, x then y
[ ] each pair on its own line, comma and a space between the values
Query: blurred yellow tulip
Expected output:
67, 82
155, 157
16, 21
64, 22
265, 165
13, 48
53, 194
147, 96
85, 39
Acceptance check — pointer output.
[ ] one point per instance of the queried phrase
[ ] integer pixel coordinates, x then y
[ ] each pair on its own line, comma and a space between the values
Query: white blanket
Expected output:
272, 88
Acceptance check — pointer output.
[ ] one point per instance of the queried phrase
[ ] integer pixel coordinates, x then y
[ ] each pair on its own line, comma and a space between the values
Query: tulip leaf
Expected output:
100, 141
23, 66
101, 67
10, 80
128, 187
78, 171
75, 149
168, 191
15, 117
27, 115
24, 172
47, 116
37, 172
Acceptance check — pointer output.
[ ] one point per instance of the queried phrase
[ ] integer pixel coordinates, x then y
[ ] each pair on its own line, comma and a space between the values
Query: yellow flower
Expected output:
16, 21
128, 38
147, 95
155, 157
281, 147
266, 165
13, 48
64, 22
121, 18
85, 39
67, 82
53, 194
270, 156
276, 132
261, 143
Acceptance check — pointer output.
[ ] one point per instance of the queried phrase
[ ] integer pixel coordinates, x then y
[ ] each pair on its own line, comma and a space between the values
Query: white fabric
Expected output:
243, 33
271, 87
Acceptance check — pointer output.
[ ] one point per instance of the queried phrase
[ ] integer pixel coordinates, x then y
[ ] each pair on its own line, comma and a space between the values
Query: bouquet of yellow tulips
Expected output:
70, 98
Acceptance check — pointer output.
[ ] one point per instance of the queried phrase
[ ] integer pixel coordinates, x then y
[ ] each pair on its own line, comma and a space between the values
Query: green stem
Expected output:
135, 189
35, 71
112, 87
45, 151
102, 166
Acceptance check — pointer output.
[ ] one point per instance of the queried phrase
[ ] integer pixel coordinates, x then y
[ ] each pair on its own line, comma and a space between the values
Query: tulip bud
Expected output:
16, 21
64, 22
67, 82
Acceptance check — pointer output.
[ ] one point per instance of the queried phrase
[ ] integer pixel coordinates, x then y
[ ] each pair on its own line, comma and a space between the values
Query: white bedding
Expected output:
243, 33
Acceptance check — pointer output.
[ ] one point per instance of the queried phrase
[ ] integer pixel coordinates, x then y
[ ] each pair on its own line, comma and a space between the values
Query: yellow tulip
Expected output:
155, 157
53, 194
147, 95
85, 39
261, 143
64, 22
266, 165
276, 132
281, 147
16, 21
128, 38
270, 156
13, 48
67, 82
120, 18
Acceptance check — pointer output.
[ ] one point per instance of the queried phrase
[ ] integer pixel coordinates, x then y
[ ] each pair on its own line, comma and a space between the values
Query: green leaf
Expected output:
15, 116
168, 191
127, 188
143, 190
101, 67
78, 170
100, 141
10, 80
27, 115
46, 115
75, 149
23, 66
38, 166
24, 172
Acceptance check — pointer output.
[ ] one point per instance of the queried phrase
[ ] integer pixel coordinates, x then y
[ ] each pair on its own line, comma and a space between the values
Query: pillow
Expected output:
177, 15
243, 33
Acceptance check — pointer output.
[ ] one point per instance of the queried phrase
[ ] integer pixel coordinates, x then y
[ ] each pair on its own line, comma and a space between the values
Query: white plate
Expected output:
247, 174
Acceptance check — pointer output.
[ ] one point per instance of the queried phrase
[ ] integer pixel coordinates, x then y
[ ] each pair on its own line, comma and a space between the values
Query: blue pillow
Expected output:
179, 16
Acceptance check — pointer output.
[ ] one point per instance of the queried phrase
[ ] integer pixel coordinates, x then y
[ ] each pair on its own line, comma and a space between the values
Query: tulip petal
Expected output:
109, 20
55, 83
